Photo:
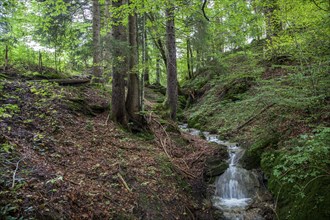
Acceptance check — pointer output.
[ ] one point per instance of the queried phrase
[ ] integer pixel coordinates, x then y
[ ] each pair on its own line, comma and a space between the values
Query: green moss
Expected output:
252, 157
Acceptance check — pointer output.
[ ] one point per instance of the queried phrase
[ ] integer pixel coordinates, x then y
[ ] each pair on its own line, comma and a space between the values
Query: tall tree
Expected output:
145, 56
133, 95
119, 70
107, 58
189, 59
97, 55
172, 82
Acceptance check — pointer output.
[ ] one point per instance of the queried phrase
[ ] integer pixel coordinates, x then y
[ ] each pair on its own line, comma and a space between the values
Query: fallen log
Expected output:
86, 107
68, 82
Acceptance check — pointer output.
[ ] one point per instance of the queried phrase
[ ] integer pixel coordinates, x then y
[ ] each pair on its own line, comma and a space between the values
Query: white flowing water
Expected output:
236, 187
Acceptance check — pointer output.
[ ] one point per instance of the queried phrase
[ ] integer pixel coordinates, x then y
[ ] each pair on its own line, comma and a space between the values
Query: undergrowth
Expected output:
281, 113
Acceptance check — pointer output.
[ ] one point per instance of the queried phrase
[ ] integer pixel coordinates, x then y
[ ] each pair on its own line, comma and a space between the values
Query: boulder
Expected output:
215, 168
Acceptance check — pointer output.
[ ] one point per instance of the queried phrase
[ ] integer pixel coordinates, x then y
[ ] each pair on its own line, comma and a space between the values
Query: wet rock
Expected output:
216, 170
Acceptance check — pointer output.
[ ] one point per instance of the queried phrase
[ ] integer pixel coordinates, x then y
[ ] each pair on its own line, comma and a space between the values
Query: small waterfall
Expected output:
236, 188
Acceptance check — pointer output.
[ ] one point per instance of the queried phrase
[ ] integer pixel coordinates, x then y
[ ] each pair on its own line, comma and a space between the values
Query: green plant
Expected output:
8, 110
7, 147
309, 157
299, 175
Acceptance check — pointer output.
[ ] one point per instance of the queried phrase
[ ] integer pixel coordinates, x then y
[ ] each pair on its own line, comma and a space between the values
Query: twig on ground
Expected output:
124, 182
15, 171
164, 147
106, 122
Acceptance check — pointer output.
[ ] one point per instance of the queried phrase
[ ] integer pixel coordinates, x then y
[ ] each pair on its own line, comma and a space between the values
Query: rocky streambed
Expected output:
237, 193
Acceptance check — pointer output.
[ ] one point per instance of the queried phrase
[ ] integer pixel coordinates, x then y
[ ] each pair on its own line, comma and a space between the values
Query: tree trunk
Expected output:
133, 95
158, 71
55, 57
172, 83
119, 70
143, 61
191, 60
188, 59
198, 60
145, 52
6, 58
107, 54
97, 55
40, 60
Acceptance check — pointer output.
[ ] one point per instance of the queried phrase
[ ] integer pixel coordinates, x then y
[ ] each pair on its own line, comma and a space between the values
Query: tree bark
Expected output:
107, 58
40, 61
145, 52
133, 95
158, 71
172, 83
119, 71
55, 57
97, 55
6, 58
191, 60
188, 59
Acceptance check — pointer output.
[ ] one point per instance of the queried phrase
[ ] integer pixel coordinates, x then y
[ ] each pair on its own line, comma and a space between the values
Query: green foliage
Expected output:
8, 110
297, 171
5, 212
6, 147
309, 155
305, 31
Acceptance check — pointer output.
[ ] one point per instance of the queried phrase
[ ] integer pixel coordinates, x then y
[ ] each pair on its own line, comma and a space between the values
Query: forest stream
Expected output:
237, 189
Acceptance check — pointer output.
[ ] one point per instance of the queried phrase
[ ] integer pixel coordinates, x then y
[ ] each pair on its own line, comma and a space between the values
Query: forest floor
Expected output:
63, 158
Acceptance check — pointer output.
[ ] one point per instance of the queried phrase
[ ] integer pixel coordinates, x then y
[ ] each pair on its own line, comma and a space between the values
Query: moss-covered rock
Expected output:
252, 157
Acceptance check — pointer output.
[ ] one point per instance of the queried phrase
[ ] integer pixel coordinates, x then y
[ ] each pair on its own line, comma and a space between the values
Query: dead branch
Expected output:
15, 171
123, 182
203, 10
164, 147
67, 82
106, 121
